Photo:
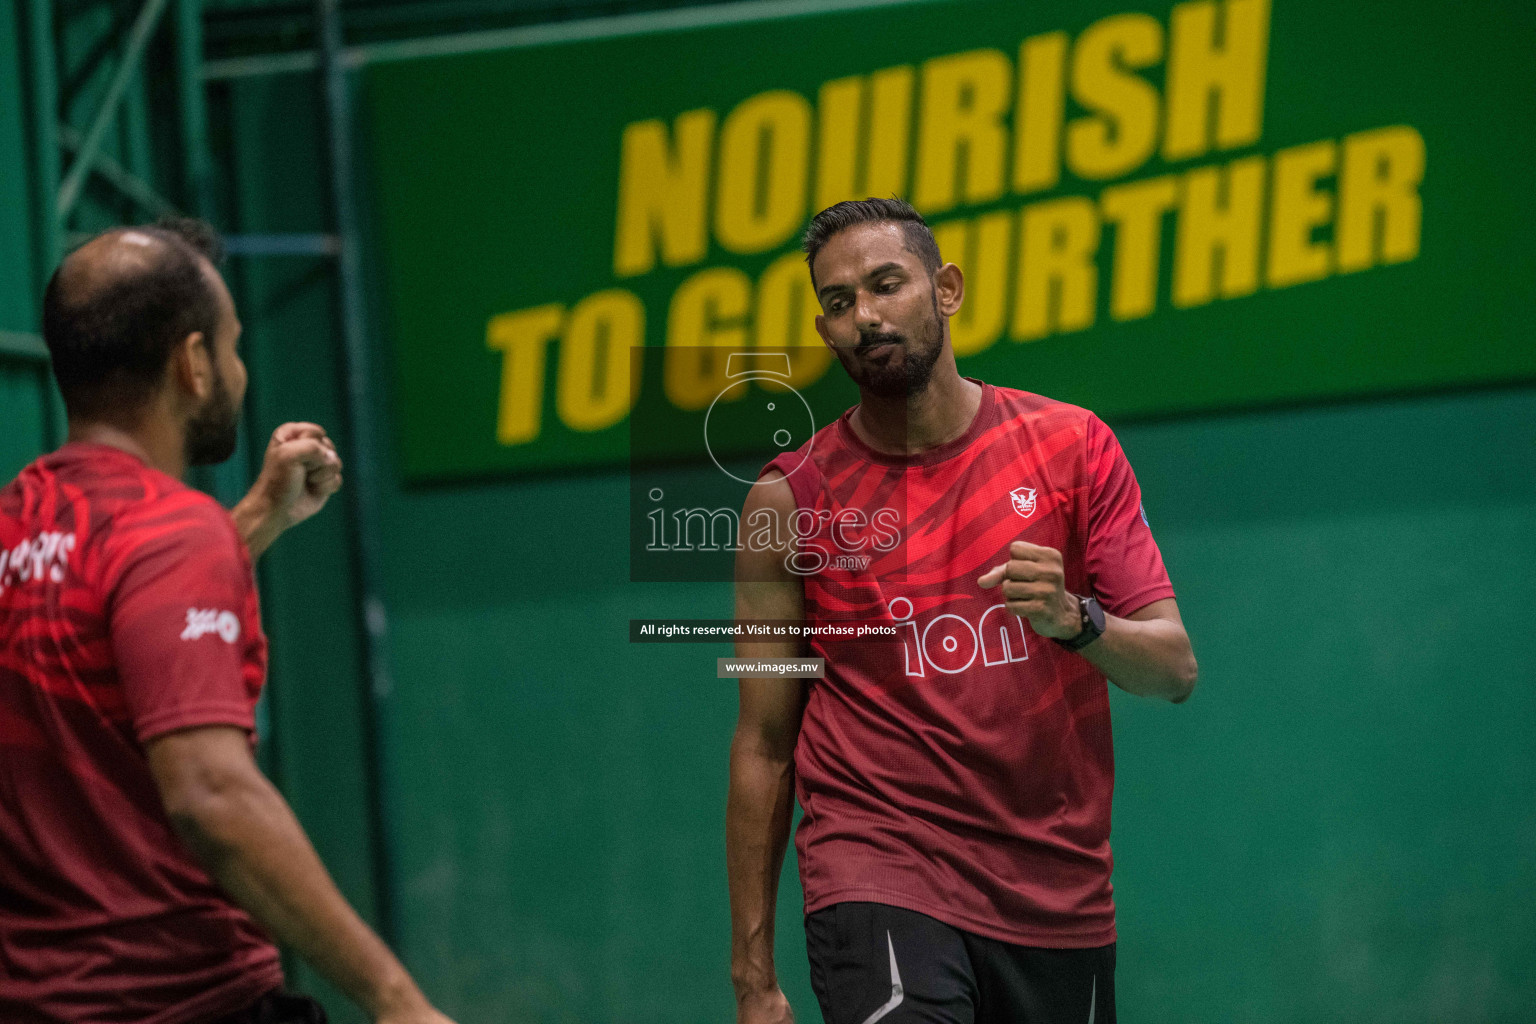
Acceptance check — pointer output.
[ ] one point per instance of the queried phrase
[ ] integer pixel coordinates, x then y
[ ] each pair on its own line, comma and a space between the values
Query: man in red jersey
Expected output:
146, 858
955, 781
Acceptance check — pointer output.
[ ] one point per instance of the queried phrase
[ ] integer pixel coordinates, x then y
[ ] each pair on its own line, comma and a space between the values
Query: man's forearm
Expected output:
256, 850
1150, 657
757, 818
256, 524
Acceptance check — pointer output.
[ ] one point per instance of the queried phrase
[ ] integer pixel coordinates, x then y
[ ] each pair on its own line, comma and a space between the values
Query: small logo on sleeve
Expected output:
1023, 501
202, 621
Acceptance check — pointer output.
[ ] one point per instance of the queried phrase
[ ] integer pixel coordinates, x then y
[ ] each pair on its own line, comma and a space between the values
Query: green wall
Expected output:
22, 408
1337, 827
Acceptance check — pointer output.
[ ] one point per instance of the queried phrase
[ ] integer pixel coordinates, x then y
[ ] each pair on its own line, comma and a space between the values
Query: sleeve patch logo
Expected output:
202, 621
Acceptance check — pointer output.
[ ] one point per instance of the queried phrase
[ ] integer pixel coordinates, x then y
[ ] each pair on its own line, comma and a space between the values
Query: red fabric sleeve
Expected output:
1125, 567
186, 630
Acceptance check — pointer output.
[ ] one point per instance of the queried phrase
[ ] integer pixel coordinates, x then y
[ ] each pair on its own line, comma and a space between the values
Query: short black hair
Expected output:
840, 217
110, 331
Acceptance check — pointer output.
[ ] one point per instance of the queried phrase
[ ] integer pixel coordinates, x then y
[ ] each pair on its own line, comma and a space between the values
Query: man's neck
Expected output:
157, 445
938, 414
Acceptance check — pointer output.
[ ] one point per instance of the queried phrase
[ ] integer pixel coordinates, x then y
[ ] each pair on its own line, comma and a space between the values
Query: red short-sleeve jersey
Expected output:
964, 769
127, 610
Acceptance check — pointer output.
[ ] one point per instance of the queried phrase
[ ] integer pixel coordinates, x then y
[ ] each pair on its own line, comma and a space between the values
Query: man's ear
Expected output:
821, 329
192, 366
949, 288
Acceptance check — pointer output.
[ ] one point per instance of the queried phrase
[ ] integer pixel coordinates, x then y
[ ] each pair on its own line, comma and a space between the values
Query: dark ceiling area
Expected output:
242, 27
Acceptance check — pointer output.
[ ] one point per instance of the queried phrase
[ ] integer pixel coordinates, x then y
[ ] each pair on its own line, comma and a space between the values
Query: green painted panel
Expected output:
21, 381
564, 863
1337, 826
522, 191
21, 417
16, 279
560, 794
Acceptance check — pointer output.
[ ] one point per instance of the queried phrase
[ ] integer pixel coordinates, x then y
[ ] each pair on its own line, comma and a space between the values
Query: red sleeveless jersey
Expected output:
964, 770
127, 610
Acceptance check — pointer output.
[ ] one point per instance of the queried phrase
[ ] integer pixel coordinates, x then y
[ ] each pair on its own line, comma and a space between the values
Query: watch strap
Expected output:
1092, 624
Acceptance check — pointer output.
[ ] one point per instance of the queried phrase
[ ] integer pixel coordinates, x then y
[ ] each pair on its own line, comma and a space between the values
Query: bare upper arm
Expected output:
1167, 609
765, 586
770, 708
192, 767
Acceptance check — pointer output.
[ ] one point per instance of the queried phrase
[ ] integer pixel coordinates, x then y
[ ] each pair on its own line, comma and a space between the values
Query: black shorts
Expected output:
875, 963
279, 1007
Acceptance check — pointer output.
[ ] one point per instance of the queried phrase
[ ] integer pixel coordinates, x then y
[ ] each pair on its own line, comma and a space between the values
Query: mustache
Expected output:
868, 340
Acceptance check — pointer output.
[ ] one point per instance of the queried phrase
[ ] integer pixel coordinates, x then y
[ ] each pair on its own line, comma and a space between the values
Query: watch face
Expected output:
1094, 613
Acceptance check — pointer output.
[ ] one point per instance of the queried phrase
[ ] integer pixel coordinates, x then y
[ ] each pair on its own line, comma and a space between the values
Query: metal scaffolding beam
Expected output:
192, 93
610, 27
118, 176
283, 245
228, 480
25, 347
43, 62
364, 462
127, 65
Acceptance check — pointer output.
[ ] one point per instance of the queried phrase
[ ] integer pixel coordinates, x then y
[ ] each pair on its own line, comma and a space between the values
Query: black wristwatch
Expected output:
1093, 624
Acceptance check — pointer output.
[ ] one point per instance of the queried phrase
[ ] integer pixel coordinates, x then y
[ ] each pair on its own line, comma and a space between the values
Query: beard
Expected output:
903, 378
213, 430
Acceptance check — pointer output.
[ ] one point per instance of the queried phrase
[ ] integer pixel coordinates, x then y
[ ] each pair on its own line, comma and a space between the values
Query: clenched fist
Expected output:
1034, 588
299, 473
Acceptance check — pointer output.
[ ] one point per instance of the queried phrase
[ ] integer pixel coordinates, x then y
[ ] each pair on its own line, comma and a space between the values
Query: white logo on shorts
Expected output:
202, 621
897, 992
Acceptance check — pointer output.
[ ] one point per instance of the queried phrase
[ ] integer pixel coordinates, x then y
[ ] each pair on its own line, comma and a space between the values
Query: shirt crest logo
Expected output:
1023, 501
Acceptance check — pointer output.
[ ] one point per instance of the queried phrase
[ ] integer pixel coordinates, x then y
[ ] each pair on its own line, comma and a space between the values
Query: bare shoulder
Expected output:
771, 492
766, 530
